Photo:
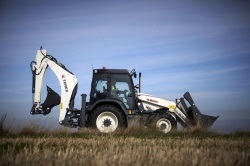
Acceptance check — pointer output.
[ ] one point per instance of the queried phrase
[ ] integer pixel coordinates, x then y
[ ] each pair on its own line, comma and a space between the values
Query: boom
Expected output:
68, 82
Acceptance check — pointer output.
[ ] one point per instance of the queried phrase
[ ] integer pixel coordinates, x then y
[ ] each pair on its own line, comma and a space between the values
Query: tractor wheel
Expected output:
107, 118
165, 123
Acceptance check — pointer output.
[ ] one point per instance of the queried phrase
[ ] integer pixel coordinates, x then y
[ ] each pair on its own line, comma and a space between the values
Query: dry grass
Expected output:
132, 146
2, 129
113, 150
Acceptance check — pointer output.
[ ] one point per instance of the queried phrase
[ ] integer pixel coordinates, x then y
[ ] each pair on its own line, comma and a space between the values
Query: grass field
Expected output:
32, 145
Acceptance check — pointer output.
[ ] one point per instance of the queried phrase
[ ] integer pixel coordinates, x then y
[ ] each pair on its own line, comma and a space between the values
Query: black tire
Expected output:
107, 118
165, 123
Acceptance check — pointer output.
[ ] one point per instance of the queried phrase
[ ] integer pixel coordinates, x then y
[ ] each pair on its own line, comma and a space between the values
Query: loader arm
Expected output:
186, 116
68, 83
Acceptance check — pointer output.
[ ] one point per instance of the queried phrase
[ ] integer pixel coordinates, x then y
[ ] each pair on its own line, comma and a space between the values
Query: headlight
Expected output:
171, 107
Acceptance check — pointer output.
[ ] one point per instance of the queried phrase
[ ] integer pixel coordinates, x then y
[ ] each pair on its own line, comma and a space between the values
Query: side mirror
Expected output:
137, 86
133, 73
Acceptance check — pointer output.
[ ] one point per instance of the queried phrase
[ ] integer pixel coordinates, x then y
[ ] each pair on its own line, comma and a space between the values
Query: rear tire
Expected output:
107, 118
165, 123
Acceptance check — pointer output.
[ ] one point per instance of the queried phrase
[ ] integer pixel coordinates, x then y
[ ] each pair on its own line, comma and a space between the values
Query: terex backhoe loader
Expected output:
113, 103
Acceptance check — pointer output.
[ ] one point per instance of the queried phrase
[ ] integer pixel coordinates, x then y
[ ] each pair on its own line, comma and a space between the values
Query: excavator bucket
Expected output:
52, 99
195, 116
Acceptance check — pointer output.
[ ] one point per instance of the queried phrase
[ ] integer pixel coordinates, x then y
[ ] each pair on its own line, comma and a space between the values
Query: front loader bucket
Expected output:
195, 116
207, 121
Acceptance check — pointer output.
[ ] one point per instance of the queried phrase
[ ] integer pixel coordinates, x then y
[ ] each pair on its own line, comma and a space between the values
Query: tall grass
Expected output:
109, 149
34, 145
2, 130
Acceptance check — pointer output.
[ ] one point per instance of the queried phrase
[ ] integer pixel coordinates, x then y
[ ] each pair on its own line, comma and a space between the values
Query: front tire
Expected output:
107, 118
165, 123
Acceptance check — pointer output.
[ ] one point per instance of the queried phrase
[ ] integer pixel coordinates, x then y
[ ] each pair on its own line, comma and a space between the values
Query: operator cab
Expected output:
113, 85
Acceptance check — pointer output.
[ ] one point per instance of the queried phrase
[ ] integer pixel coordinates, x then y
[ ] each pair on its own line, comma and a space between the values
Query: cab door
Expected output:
99, 89
121, 88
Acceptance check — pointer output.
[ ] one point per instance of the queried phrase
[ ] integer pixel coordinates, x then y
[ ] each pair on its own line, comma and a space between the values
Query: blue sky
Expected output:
198, 46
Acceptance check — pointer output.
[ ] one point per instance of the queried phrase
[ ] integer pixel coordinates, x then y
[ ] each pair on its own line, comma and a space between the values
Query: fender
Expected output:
108, 101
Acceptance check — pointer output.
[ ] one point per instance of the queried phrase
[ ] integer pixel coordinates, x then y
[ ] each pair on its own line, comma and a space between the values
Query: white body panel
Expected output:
151, 103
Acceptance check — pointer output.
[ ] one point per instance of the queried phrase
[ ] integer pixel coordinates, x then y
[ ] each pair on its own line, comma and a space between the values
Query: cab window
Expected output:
121, 89
99, 90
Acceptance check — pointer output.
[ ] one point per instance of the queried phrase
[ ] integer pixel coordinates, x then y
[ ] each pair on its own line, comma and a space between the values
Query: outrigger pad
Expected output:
52, 99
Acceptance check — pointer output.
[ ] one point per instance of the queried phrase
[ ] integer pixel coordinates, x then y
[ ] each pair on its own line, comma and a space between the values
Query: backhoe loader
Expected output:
114, 101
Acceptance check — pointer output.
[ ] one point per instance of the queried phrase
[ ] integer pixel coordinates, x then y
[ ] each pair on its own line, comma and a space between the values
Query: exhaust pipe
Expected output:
140, 82
198, 119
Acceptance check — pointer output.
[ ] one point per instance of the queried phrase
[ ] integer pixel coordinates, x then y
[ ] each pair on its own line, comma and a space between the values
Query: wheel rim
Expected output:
164, 125
107, 122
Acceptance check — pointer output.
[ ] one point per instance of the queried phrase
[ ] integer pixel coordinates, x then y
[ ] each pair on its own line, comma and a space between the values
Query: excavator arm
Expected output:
68, 83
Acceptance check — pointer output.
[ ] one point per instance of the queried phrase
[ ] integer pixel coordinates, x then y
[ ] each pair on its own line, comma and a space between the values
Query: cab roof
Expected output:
111, 71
